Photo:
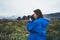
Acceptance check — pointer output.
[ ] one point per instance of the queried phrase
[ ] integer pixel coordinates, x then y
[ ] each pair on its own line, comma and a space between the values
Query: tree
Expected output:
19, 18
24, 18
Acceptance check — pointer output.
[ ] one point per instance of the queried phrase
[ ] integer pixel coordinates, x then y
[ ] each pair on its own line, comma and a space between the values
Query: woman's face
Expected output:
35, 15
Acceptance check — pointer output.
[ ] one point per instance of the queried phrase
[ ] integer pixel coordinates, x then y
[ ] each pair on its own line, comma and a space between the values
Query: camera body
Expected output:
31, 17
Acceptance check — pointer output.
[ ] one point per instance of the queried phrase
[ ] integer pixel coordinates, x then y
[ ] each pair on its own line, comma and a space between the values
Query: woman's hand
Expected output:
30, 19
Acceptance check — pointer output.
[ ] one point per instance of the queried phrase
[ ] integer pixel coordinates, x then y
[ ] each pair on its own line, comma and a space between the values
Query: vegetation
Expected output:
16, 30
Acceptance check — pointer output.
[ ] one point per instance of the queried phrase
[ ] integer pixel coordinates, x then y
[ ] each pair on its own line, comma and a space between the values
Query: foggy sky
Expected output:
26, 7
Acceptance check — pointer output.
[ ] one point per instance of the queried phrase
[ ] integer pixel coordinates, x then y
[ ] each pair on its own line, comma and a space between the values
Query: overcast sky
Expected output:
26, 7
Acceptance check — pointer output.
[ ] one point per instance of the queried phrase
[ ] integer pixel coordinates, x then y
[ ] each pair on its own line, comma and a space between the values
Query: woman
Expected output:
37, 28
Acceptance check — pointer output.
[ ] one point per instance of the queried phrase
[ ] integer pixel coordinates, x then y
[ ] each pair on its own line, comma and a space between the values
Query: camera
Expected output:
31, 17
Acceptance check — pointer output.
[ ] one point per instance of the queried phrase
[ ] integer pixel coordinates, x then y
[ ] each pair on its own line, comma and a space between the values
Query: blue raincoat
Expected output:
37, 29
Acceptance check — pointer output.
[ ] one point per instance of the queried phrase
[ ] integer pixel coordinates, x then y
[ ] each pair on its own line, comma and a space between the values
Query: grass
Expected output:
16, 30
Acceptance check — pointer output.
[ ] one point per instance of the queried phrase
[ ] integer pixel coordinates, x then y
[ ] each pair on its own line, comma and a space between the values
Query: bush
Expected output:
16, 30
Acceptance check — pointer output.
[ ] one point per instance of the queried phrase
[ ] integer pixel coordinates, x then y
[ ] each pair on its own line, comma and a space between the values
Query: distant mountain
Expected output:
53, 15
48, 16
10, 18
1, 17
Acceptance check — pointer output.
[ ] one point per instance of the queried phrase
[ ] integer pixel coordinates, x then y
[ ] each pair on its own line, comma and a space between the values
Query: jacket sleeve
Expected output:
39, 29
30, 26
34, 27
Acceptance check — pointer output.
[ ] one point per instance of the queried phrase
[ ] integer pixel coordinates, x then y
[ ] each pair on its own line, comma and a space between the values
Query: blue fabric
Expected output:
37, 29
